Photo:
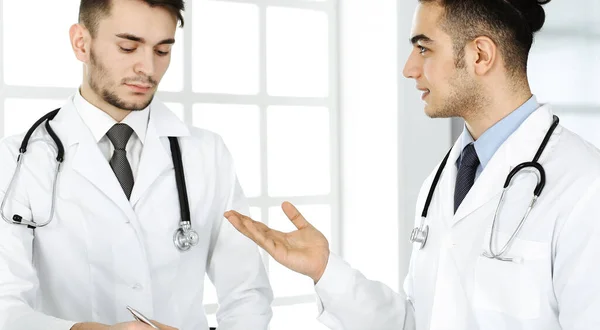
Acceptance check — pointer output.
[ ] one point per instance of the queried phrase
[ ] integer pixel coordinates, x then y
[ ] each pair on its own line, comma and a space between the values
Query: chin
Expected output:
431, 111
138, 99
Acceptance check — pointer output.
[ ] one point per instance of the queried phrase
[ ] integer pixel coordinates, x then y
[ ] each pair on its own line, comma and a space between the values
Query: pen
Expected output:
138, 316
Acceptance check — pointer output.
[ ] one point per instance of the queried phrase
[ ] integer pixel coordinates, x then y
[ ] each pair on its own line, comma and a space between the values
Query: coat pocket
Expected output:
511, 287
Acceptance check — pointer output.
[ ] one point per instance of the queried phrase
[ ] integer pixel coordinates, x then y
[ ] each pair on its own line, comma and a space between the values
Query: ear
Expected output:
485, 54
81, 40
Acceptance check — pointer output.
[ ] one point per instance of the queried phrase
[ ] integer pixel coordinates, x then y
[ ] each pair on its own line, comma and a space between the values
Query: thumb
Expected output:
294, 215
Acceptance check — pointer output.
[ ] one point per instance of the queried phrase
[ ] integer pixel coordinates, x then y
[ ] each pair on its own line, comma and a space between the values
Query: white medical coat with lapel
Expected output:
102, 252
450, 286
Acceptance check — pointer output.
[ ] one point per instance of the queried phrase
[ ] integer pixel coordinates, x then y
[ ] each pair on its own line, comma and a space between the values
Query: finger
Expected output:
294, 215
242, 218
259, 235
262, 227
248, 227
237, 221
236, 213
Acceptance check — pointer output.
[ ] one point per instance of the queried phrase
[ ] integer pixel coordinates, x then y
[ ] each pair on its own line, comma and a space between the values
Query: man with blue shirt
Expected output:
525, 258
487, 144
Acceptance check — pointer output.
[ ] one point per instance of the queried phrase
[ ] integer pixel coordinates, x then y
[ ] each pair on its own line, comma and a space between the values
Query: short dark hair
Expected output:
92, 11
511, 24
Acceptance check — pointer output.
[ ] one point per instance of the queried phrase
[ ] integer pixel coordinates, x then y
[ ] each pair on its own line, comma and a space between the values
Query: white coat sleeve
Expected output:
235, 266
19, 284
577, 265
349, 301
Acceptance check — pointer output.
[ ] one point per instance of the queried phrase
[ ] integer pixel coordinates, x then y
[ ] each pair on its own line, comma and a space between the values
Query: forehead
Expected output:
138, 18
426, 21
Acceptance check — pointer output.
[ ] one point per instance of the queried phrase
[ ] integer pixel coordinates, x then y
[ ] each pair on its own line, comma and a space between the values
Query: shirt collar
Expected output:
99, 122
489, 142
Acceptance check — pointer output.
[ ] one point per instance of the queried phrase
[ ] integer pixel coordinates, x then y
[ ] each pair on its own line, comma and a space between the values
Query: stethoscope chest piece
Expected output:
419, 235
185, 237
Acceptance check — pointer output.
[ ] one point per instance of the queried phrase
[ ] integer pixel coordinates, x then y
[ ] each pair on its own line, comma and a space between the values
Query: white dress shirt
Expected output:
99, 122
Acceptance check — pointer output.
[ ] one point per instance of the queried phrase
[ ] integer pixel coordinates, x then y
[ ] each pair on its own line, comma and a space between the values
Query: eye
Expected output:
422, 50
161, 53
127, 50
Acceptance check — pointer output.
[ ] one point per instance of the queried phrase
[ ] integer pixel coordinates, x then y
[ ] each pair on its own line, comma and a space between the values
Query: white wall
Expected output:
388, 145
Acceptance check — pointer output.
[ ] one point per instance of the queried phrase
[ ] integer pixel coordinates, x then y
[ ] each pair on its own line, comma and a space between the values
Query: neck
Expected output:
497, 108
94, 99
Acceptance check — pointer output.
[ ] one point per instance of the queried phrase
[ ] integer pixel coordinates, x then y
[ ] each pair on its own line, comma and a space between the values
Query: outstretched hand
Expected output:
305, 250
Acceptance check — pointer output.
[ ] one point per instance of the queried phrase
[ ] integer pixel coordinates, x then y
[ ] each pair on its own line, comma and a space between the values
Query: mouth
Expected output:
139, 88
425, 93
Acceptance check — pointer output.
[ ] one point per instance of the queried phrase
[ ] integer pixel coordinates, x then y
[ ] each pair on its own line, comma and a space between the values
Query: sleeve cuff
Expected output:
334, 283
336, 277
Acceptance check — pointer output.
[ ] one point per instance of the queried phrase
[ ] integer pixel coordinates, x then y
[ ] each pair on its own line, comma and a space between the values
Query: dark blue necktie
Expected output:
466, 174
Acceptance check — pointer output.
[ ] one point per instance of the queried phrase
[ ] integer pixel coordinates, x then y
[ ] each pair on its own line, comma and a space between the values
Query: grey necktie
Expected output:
466, 174
119, 134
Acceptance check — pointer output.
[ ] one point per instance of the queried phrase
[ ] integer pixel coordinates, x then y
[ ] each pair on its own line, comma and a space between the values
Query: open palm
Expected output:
304, 250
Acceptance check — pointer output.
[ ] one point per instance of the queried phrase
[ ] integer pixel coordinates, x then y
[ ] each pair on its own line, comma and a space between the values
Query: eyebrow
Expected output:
132, 37
420, 37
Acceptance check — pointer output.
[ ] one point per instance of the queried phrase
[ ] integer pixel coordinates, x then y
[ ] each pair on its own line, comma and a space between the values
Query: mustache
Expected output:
142, 80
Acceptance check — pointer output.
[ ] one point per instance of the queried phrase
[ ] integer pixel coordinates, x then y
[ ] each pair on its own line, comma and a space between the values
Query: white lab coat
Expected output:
102, 252
449, 284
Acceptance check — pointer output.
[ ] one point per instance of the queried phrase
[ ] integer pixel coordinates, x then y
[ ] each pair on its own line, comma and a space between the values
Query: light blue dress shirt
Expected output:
489, 142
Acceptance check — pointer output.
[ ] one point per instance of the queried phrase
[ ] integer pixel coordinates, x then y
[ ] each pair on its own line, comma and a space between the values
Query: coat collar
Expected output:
520, 147
89, 162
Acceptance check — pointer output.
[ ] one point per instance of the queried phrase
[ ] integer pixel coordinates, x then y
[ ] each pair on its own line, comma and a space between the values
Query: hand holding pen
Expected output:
141, 323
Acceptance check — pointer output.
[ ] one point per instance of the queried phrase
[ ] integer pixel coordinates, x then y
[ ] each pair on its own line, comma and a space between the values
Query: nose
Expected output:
145, 64
412, 68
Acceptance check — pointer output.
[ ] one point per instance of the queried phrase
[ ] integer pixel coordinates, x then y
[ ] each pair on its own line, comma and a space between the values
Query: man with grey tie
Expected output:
136, 218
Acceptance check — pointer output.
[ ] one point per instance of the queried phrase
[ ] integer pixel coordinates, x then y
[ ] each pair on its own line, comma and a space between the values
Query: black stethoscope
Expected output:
184, 237
419, 234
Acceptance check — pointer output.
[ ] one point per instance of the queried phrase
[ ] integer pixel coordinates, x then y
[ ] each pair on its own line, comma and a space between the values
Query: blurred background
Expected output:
309, 97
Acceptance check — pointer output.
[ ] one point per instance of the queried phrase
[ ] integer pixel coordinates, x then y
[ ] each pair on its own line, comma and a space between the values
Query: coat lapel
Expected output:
156, 155
87, 159
448, 182
520, 147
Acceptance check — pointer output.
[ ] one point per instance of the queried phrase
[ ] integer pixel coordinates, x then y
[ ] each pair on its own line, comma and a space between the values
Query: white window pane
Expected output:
565, 70
584, 124
225, 48
37, 50
21, 114
239, 125
298, 141
172, 81
284, 281
256, 213
297, 52
177, 109
296, 317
